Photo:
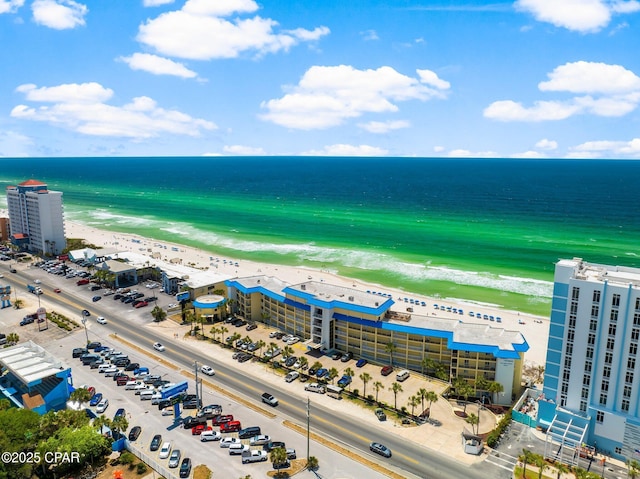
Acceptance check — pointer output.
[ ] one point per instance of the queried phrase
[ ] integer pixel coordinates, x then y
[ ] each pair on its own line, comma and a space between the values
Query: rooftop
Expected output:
330, 293
30, 362
620, 275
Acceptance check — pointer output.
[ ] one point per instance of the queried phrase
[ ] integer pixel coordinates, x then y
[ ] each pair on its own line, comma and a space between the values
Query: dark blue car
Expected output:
97, 397
361, 362
322, 372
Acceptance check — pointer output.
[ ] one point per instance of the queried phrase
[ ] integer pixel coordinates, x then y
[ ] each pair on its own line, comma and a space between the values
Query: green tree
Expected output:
81, 395
525, 458
412, 403
304, 363
365, 378
349, 372
287, 351
158, 314
634, 468
541, 464
313, 463
561, 469
278, 456
390, 348
18, 303
474, 421
119, 424
495, 388
53, 421
13, 338
464, 389
377, 386
317, 365
261, 344
395, 388
332, 375
432, 397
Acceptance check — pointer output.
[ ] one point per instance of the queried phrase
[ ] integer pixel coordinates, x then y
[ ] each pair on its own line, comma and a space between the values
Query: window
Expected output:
618, 450
612, 329
626, 392
633, 349
593, 325
608, 358
585, 393
583, 406
606, 372
599, 417
587, 366
614, 315
594, 311
636, 319
589, 353
635, 334
610, 344
605, 386
596, 296
637, 304
615, 301
575, 293
586, 380
624, 406
591, 339
570, 335
631, 363
603, 399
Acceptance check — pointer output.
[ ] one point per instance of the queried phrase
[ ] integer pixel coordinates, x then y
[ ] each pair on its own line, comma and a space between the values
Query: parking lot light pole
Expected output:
84, 323
308, 427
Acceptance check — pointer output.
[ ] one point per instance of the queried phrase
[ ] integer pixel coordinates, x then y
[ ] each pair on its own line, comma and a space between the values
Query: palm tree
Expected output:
581, 473
214, 332
13, 338
158, 314
390, 348
101, 422
349, 372
377, 386
287, 351
222, 330
495, 388
561, 468
119, 424
333, 373
413, 402
317, 365
541, 464
365, 378
474, 420
260, 344
395, 388
313, 464
432, 397
18, 303
234, 337
81, 395
525, 458
464, 389
422, 394
278, 456
634, 468
304, 363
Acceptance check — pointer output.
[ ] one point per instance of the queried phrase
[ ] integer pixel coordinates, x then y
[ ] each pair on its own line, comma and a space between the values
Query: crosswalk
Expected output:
502, 460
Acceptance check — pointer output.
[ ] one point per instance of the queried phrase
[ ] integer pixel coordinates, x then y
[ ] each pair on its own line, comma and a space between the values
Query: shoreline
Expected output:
533, 327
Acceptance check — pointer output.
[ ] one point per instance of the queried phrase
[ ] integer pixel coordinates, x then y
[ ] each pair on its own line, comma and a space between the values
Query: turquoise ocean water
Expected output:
487, 230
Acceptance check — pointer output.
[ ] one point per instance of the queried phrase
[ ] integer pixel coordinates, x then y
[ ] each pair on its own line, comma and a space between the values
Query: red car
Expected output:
386, 370
123, 380
197, 430
216, 421
141, 304
57, 290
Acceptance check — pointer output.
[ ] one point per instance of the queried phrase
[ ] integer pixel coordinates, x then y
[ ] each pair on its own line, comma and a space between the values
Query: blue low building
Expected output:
33, 379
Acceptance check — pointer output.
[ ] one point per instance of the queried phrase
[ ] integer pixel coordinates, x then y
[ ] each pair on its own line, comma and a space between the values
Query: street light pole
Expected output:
84, 323
308, 426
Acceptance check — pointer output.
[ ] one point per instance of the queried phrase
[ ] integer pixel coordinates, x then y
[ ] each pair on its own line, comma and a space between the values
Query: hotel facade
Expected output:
329, 317
591, 385
36, 219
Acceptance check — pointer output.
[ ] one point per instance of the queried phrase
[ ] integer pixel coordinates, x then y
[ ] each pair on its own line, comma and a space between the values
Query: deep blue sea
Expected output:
488, 230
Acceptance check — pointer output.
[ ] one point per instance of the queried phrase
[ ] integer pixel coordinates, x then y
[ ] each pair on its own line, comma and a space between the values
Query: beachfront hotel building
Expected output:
592, 377
330, 317
36, 218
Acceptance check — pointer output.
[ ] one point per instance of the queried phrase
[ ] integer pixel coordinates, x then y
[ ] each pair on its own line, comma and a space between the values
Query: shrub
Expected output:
141, 468
127, 458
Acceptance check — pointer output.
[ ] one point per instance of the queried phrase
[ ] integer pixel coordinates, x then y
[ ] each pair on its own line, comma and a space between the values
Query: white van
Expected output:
146, 395
402, 375
237, 449
334, 391
156, 397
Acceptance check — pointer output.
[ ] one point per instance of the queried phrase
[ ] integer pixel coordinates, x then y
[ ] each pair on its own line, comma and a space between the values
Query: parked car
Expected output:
134, 433
96, 298
218, 420
185, 467
132, 366
381, 415
344, 381
190, 422
361, 362
199, 429
210, 435
380, 449
259, 440
291, 376
165, 450
336, 355
228, 441
347, 357
386, 370
269, 446
95, 400
102, 406
155, 442
174, 459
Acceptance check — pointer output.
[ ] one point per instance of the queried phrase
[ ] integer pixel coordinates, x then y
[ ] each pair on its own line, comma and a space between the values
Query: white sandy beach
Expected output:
534, 328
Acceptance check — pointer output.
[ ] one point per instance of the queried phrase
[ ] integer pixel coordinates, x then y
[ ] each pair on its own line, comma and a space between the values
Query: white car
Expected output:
208, 370
37, 281
158, 346
227, 441
259, 440
168, 411
292, 376
165, 450
210, 436
102, 406
101, 320
293, 340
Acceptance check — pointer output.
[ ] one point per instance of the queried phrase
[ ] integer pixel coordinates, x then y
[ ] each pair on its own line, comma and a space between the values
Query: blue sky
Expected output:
525, 78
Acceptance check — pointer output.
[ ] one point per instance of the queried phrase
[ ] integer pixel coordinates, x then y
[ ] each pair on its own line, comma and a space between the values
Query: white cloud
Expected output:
545, 144
612, 149
347, 150
82, 108
384, 126
438, 149
591, 77
328, 95
156, 3
199, 32
612, 91
585, 16
369, 35
431, 78
529, 154
243, 150
10, 6
59, 14
157, 65
13, 144
461, 153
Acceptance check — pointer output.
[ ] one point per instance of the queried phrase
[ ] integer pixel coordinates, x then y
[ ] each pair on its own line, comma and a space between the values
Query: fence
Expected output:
161, 469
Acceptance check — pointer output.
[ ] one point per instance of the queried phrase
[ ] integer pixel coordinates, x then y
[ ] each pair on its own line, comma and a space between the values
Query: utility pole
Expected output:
308, 426
195, 365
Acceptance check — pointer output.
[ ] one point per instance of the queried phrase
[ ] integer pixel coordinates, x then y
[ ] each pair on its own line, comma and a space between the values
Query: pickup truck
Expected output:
34, 289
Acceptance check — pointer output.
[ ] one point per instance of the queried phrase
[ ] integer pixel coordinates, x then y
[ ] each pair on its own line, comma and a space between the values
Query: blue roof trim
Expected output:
314, 301
448, 335
295, 304
230, 283
217, 304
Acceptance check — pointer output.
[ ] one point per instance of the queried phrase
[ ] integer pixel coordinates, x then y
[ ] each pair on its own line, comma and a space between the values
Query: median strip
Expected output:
344, 451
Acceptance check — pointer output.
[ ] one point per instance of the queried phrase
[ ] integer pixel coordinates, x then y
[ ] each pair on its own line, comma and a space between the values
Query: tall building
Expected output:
36, 217
591, 386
